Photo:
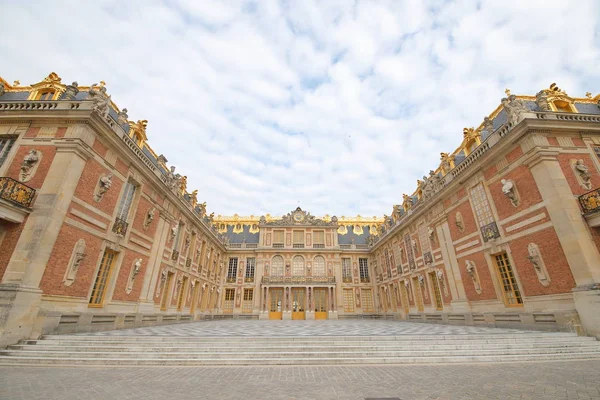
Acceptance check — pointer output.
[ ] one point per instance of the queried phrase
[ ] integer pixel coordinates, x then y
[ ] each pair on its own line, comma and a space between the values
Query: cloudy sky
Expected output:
335, 106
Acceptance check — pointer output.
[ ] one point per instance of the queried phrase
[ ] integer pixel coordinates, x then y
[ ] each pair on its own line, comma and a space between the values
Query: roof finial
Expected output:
16, 83
588, 95
507, 91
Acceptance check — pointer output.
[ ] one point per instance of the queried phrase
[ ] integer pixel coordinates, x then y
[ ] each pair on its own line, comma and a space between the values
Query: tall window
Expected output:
250, 267
318, 239
418, 295
278, 239
366, 298
298, 239
126, 201
277, 266
346, 270
481, 205
229, 298
348, 300
182, 292
436, 291
101, 281
298, 266
5, 146
319, 266
247, 303
510, 288
363, 266
232, 270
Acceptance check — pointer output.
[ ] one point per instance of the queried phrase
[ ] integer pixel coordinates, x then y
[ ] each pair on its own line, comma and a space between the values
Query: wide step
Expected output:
301, 350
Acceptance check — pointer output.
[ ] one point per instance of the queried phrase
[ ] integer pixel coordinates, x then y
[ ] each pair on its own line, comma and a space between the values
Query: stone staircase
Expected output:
403, 349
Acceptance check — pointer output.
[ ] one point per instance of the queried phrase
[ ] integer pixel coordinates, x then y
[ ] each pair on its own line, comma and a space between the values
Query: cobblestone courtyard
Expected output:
551, 380
526, 380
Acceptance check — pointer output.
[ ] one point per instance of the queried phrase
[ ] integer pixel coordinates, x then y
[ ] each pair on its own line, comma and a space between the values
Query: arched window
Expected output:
277, 266
298, 266
319, 266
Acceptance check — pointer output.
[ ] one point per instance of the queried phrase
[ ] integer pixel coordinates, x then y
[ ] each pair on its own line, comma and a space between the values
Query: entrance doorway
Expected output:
298, 303
276, 304
321, 303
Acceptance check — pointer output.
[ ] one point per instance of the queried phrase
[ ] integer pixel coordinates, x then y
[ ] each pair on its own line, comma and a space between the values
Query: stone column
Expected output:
574, 236
20, 295
310, 295
460, 304
152, 274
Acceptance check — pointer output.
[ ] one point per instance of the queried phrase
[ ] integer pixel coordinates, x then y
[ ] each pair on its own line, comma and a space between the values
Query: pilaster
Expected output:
19, 291
574, 236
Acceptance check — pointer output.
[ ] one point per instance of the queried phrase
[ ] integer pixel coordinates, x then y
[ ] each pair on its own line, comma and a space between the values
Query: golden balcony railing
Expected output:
298, 280
16, 192
120, 227
590, 201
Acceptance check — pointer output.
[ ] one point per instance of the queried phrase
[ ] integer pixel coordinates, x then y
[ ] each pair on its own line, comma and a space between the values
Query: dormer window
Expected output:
45, 95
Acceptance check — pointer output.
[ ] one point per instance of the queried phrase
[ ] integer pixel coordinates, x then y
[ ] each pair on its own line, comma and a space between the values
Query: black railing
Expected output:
120, 227
16, 192
590, 201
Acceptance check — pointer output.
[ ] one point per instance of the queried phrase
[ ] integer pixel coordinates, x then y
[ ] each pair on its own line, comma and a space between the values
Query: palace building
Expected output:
98, 232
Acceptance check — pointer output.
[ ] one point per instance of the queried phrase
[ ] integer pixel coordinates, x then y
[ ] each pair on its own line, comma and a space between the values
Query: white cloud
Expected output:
335, 106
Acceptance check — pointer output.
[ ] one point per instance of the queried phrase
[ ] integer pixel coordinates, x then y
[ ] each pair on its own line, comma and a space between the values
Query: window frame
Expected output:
512, 278
104, 273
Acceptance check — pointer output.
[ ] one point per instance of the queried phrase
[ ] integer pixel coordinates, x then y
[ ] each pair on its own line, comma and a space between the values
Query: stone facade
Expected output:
97, 232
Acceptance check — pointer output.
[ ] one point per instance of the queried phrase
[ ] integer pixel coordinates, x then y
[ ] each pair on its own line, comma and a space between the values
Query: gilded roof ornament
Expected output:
52, 78
194, 198
138, 129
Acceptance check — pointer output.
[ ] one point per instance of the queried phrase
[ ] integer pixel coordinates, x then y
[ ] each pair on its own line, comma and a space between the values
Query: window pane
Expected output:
298, 266
319, 266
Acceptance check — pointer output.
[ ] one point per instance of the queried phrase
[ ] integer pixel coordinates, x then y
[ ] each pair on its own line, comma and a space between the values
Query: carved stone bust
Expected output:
509, 190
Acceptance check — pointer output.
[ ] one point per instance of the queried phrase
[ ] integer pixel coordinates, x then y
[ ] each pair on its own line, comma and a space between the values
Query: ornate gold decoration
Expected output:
138, 130
557, 99
16, 192
238, 222
51, 83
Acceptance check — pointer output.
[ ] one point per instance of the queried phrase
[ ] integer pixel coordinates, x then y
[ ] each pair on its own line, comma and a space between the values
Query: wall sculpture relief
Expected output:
509, 189
583, 173
149, 218
77, 257
29, 165
459, 221
103, 186
135, 270
472, 271
163, 279
421, 279
439, 273
535, 258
